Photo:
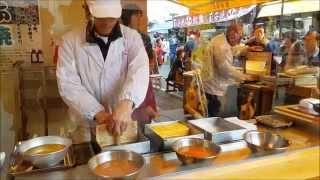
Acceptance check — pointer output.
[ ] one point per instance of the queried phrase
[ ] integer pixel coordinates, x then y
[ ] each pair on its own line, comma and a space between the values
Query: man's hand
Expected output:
121, 115
103, 117
247, 77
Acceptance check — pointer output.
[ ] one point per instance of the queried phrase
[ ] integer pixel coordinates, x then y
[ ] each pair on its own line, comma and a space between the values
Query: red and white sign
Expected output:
214, 17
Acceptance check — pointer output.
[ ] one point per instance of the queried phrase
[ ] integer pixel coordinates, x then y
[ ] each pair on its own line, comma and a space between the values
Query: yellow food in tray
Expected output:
171, 130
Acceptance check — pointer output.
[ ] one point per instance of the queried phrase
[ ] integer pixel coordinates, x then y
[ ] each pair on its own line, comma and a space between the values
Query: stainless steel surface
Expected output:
265, 141
117, 155
219, 130
195, 142
16, 155
141, 147
45, 160
165, 164
160, 144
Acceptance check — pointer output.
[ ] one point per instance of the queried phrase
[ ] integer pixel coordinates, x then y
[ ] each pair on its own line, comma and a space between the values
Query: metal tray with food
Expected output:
17, 166
274, 121
163, 135
220, 130
142, 146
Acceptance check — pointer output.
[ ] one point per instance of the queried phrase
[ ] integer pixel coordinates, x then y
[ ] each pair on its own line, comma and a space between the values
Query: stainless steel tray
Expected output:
159, 144
141, 147
68, 162
219, 130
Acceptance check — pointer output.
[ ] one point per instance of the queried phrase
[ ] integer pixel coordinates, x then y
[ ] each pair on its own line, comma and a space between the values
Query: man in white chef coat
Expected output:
102, 71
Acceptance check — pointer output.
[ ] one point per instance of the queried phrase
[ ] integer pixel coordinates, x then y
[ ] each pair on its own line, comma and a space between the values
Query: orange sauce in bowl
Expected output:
196, 152
116, 168
44, 149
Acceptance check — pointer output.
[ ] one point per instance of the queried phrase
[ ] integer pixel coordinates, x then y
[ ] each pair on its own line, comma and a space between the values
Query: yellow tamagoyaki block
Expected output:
171, 130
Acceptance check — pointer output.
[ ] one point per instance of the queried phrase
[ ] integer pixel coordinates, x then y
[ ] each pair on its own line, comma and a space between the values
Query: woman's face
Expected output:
135, 21
287, 43
104, 26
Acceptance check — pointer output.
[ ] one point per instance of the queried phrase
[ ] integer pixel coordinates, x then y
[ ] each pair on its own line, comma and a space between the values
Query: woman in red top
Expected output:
159, 52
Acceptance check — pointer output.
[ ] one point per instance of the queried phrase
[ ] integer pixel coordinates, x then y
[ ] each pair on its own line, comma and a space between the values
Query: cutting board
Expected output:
104, 138
291, 111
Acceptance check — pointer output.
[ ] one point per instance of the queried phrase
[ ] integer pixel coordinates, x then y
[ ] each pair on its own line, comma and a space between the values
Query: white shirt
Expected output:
222, 73
89, 84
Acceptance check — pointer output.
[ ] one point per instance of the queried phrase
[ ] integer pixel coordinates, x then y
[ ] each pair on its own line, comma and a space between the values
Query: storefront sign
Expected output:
5, 36
220, 16
19, 12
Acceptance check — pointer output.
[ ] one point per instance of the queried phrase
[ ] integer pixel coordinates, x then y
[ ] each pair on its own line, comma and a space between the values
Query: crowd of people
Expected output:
294, 51
219, 52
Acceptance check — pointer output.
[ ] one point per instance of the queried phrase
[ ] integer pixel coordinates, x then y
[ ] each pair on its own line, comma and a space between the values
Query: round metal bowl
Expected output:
44, 160
196, 142
117, 155
265, 142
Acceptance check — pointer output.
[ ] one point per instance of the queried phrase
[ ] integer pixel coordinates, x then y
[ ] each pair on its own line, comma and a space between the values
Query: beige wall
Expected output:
56, 18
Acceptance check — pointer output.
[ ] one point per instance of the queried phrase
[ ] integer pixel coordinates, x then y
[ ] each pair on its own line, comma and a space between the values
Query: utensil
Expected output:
195, 142
45, 160
265, 142
117, 155
316, 107
2, 158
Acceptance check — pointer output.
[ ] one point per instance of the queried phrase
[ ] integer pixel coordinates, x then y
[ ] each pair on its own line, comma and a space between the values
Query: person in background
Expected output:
159, 52
190, 45
258, 42
289, 38
222, 74
173, 44
296, 56
96, 80
311, 43
131, 16
176, 72
165, 48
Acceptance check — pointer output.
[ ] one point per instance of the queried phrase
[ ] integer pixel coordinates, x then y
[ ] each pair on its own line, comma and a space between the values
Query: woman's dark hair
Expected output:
128, 11
297, 48
86, 11
291, 35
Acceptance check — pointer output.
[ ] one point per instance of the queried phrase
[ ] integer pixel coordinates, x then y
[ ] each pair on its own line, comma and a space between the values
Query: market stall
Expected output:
268, 139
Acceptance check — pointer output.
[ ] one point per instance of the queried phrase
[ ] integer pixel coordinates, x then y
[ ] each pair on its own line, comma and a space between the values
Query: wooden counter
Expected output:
301, 164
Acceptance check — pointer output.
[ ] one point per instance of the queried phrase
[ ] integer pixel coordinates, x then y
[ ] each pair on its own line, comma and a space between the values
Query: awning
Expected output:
291, 7
161, 27
207, 6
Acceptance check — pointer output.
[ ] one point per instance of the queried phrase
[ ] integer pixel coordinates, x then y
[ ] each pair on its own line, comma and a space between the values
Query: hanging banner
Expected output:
214, 17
